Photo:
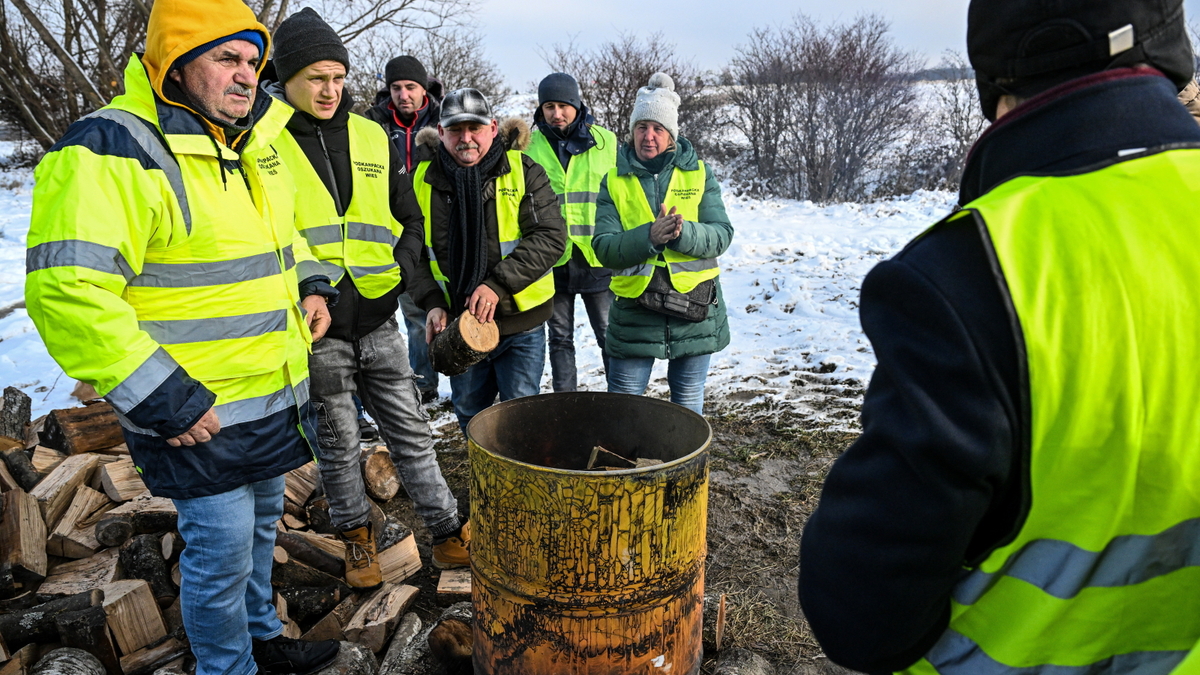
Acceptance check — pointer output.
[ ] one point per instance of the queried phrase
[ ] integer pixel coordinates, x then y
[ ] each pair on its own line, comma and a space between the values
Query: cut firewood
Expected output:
7, 482
451, 642
176, 575
133, 615
78, 430
23, 537
330, 626
67, 661
293, 523
171, 546
22, 599
281, 556
400, 561
173, 617
305, 603
36, 624
4, 653
121, 450
141, 558
399, 655
603, 460
643, 462
290, 628
121, 480
75, 534
84, 392
146, 660
145, 515
327, 543
316, 513
79, 576
22, 660
455, 583
379, 475
299, 485
55, 491
462, 344
720, 629
45, 459
300, 548
291, 573
87, 629
375, 619
19, 465
14, 415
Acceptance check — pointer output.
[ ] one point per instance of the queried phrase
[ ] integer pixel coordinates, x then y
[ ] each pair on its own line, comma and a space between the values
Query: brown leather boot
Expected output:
362, 568
455, 551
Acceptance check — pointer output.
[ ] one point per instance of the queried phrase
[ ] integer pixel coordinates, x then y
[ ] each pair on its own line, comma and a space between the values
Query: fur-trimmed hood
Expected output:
514, 134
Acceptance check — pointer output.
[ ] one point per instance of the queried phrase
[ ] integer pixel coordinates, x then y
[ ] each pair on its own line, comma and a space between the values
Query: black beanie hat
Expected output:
1024, 47
406, 68
559, 87
303, 39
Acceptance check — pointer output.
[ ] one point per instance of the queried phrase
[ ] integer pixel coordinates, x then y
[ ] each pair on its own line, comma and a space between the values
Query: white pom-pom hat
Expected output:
657, 102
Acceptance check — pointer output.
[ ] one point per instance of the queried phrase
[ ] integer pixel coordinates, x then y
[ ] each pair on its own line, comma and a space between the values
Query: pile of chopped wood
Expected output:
90, 560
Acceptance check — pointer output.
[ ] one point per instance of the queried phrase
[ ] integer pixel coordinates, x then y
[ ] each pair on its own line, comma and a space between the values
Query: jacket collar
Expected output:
1081, 125
576, 139
436, 177
304, 124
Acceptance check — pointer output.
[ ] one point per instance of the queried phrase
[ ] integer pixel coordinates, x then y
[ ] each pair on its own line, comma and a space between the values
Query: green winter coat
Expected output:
633, 331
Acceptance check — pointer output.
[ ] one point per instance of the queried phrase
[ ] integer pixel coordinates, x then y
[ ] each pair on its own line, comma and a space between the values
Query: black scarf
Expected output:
468, 238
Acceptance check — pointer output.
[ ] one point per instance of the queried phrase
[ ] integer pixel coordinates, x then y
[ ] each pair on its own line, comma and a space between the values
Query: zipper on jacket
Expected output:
337, 198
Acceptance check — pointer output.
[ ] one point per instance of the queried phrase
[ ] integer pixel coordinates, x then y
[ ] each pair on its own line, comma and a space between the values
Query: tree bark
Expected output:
36, 624
87, 629
14, 417
141, 558
68, 661
301, 550
464, 343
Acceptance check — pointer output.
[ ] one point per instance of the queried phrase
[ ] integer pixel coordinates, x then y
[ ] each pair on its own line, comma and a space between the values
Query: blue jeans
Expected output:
225, 571
685, 377
512, 370
561, 329
418, 351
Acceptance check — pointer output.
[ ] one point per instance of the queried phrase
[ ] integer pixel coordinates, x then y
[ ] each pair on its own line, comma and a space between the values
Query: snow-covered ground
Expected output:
791, 282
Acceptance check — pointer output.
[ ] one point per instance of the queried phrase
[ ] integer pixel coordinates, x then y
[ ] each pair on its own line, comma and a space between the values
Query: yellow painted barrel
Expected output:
584, 572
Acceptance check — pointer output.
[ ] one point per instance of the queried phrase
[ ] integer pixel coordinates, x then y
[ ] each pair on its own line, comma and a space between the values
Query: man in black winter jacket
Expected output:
405, 108
959, 533
362, 231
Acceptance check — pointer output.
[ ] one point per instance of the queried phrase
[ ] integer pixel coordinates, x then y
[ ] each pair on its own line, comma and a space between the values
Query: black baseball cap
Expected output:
465, 105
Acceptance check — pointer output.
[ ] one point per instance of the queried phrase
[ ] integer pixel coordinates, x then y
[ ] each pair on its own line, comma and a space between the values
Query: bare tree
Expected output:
821, 106
60, 59
610, 75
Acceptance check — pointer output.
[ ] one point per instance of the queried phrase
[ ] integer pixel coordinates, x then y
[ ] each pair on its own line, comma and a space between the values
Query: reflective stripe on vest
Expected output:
684, 192
510, 190
1104, 574
579, 186
363, 241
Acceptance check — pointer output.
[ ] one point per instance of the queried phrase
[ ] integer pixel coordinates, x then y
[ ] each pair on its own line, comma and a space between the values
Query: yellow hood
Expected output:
179, 26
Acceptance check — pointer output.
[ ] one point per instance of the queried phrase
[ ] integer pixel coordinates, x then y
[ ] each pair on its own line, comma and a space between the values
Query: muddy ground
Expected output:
767, 467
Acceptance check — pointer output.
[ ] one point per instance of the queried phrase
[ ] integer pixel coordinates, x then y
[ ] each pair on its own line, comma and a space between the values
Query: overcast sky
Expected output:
705, 31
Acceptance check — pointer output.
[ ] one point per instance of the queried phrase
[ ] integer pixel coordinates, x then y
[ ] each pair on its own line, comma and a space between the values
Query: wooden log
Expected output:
75, 534
7, 481
80, 576
172, 545
145, 515
316, 512
290, 628
379, 475
406, 632
464, 343
78, 430
306, 602
121, 480
133, 615
19, 466
291, 573
393, 532
22, 660
173, 617
36, 624
22, 599
450, 642
299, 484
330, 544
23, 537
14, 415
145, 660
87, 629
352, 659
293, 523
68, 661
84, 392
55, 491
455, 583
176, 575
141, 558
4, 653
400, 561
373, 622
302, 549
330, 625
45, 459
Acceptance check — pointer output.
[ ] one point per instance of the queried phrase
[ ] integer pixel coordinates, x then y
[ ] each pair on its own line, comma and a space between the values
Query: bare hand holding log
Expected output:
482, 303
201, 432
435, 322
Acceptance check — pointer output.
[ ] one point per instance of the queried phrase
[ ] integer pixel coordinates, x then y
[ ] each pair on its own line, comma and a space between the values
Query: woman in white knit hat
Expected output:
660, 224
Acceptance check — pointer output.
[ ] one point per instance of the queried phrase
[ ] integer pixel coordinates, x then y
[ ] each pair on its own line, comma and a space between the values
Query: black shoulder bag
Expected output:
660, 296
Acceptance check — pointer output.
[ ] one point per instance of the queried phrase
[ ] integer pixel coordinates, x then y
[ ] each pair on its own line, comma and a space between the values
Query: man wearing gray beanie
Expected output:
358, 214
576, 154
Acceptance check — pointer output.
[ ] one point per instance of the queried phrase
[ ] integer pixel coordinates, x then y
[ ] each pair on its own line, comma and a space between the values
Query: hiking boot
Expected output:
428, 396
362, 568
282, 655
366, 431
453, 552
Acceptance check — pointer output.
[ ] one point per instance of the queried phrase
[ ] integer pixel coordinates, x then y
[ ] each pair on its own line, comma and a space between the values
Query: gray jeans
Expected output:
563, 374
383, 380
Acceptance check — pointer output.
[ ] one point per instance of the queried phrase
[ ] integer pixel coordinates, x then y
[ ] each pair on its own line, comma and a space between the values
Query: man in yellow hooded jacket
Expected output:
165, 269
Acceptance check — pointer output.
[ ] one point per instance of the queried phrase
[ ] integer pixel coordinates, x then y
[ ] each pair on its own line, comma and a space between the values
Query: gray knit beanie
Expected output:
657, 102
304, 39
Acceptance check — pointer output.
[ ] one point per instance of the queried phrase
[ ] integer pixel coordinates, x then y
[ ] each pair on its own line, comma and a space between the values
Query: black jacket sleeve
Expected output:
408, 213
935, 481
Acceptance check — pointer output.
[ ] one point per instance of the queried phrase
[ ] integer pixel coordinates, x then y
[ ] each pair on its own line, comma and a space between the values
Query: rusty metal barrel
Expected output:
587, 572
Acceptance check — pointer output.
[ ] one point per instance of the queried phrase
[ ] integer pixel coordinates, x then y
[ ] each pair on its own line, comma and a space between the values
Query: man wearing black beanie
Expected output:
1023, 497
361, 221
